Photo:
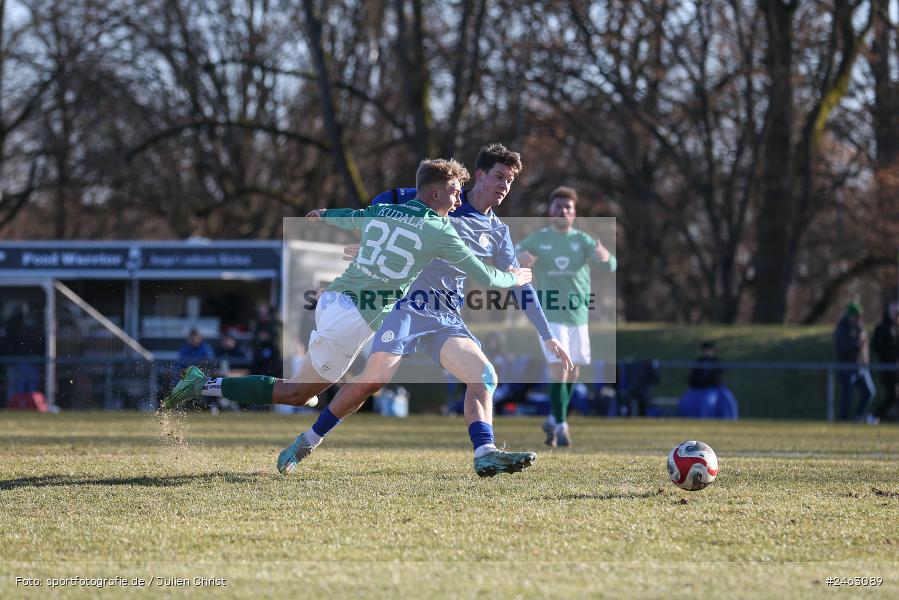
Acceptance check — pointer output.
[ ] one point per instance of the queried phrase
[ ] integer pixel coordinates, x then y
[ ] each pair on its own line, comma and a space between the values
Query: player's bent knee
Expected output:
372, 387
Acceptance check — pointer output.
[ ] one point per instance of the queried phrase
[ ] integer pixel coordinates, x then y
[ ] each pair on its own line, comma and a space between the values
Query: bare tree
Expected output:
793, 137
20, 166
342, 157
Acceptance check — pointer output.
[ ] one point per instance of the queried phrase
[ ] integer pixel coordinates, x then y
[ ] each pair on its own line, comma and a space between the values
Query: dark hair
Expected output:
491, 154
707, 345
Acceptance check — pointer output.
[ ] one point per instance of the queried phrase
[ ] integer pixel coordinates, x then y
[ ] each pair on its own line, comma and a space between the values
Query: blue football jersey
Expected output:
441, 285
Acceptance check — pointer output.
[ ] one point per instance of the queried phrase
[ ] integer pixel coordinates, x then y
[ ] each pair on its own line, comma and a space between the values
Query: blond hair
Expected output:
438, 170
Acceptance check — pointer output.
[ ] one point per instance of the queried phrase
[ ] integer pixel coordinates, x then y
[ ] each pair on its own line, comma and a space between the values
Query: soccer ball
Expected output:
692, 466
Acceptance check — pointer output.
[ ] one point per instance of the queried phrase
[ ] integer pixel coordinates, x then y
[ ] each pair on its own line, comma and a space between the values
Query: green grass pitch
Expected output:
392, 508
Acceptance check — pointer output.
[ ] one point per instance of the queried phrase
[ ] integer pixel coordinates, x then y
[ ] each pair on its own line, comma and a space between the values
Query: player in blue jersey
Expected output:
399, 242
428, 319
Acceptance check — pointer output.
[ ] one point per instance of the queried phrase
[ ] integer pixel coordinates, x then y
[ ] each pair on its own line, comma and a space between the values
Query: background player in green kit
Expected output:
561, 257
397, 243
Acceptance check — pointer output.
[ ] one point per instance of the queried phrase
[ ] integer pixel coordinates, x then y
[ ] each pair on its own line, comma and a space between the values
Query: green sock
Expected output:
565, 398
558, 401
252, 389
564, 401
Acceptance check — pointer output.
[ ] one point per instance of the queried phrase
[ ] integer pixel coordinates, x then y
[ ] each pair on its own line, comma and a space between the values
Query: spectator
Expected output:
852, 347
708, 397
231, 357
266, 355
267, 320
885, 345
195, 351
708, 375
22, 339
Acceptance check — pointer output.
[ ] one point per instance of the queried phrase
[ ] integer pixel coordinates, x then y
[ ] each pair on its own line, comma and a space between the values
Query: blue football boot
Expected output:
500, 461
293, 454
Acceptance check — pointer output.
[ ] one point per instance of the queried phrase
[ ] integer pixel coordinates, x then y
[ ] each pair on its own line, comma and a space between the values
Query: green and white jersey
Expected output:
398, 241
562, 272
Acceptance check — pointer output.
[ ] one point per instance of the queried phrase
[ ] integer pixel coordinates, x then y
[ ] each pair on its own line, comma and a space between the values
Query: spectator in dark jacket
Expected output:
885, 345
709, 375
266, 355
267, 321
707, 397
852, 347
21, 338
231, 357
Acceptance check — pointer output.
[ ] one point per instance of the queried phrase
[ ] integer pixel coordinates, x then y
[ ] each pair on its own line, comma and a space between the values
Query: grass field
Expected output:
392, 508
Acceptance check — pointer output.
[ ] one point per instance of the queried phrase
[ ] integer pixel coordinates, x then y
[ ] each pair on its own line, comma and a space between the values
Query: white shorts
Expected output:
575, 339
340, 334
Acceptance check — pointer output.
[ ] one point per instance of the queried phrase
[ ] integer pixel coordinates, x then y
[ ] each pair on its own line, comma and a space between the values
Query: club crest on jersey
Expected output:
387, 336
562, 262
575, 246
484, 240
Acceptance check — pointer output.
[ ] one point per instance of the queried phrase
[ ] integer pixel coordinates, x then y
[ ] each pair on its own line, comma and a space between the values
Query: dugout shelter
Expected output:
93, 304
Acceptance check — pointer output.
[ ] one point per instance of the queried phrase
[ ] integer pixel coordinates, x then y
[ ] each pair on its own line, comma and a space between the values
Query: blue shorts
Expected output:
405, 331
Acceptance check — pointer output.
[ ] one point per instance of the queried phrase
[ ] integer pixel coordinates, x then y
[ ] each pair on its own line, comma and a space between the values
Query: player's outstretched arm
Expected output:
556, 348
345, 218
452, 249
522, 276
314, 216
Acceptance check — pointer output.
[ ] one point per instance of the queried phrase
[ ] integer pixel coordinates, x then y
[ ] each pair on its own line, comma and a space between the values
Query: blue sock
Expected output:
480, 433
325, 423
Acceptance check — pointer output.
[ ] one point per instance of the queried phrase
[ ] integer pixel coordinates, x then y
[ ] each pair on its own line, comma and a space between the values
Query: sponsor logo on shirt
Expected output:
546, 247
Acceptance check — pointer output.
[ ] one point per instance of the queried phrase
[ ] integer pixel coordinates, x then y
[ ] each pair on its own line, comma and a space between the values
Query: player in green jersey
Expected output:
440, 331
397, 243
561, 257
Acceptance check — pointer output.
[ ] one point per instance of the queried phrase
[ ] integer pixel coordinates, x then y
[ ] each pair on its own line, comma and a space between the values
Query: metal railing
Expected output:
829, 368
89, 382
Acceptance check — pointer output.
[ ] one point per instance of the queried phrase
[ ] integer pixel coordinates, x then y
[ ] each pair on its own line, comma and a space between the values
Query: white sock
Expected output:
551, 420
482, 450
562, 426
312, 437
213, 388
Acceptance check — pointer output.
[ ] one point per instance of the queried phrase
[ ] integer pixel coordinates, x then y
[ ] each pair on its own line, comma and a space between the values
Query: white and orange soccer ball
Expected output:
692, 466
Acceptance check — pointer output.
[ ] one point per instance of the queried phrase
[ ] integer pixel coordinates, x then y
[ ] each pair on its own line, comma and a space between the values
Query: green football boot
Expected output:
293, 454
189, 388
500, 461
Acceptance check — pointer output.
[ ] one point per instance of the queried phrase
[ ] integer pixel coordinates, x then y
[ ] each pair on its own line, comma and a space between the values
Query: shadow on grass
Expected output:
609, 496
162, 481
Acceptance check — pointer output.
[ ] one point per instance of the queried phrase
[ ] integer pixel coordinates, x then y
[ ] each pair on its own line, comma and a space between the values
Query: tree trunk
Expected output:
776, 214
416, 76
343, 159
885, 120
